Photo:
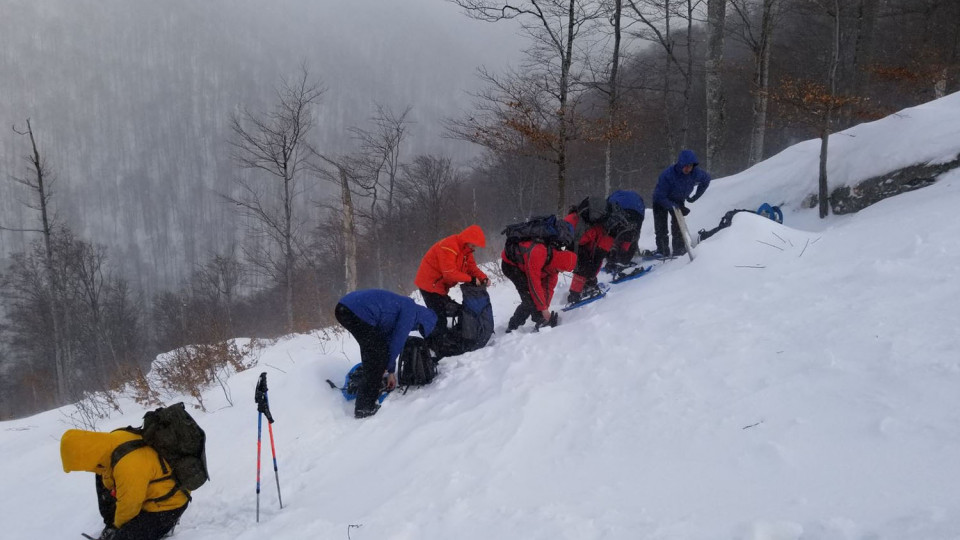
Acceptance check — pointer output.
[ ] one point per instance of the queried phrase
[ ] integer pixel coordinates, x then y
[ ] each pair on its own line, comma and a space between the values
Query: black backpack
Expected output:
548, 230
178, 440
417, 366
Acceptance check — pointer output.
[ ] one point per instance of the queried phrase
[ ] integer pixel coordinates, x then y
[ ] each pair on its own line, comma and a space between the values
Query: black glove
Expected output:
108, 534
552, 322
683, 210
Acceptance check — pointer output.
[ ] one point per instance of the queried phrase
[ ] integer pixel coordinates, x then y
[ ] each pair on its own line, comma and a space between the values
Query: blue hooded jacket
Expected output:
673, 187
394, 315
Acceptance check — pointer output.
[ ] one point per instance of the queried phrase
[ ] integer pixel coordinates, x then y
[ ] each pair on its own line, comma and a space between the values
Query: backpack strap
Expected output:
129, 446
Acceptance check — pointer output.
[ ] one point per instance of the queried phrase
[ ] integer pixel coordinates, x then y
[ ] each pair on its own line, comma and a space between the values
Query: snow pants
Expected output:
374, 355
146, 526
660, 214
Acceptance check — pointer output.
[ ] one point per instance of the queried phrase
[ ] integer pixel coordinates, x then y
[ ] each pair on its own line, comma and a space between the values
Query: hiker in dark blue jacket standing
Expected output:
674, 187
380, 321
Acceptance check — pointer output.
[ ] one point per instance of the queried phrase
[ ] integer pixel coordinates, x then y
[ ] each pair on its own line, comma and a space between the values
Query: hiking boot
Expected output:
679, 252
365, 412
574, 297
590, 290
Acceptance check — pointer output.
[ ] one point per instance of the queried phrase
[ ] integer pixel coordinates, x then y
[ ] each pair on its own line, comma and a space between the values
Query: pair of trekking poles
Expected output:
263, 409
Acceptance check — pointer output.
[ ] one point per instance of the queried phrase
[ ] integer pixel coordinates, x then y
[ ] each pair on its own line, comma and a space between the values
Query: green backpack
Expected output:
178, 440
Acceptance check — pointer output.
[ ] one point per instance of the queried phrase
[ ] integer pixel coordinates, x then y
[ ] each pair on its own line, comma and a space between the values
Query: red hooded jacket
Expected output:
449, 262
542, 275
595, 237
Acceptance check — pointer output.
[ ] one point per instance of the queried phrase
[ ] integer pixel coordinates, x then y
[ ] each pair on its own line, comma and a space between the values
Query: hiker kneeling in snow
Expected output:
533, 266
592, 242
136, 493
381, 321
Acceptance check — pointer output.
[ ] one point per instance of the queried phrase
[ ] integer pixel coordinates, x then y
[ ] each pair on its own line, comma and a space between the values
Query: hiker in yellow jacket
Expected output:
137, 496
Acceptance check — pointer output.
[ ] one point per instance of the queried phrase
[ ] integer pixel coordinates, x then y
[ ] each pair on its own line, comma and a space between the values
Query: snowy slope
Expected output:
791, 383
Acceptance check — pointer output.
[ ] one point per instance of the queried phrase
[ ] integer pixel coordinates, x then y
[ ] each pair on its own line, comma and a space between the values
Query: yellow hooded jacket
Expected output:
134, 478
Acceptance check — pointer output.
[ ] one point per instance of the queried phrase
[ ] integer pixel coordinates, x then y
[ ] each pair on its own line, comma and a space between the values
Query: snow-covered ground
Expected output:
796, 381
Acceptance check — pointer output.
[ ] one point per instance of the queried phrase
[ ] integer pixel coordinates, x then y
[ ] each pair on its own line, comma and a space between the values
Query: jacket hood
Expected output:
687, 157
564, 261
85, 451
473, 235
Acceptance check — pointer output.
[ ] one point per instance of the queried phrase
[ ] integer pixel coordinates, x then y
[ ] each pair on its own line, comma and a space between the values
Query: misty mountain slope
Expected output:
788, 384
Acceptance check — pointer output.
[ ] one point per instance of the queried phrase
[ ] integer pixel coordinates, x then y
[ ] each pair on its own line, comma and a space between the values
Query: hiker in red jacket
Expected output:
592, 242
533, 266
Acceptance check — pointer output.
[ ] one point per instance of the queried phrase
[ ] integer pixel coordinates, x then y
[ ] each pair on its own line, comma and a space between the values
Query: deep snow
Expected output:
795, 381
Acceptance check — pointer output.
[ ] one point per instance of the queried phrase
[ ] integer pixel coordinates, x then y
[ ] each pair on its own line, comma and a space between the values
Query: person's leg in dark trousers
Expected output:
150, 525
440, 304
679, 248
660, 231
374, 355
106, 502
526, 307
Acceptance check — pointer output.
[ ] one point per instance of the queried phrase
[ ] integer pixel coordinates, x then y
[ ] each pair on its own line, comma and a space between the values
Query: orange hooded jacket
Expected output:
135, 479
449, 262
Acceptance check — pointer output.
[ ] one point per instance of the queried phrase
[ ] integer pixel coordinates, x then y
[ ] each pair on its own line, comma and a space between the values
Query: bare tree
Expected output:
657, 18
427, 185
40, 182
276, 143
554, 26
716, 102
381, 148
347, 173
755, 30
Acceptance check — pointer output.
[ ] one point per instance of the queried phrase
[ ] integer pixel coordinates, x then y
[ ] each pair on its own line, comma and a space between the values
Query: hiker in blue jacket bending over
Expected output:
674, 187
380, 321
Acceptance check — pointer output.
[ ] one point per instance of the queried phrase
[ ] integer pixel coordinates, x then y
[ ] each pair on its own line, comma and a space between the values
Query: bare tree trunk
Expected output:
612, 96
828, 116
716, 15
37, 184
349, 233
761, 82
566, 62
863, 49
688, 79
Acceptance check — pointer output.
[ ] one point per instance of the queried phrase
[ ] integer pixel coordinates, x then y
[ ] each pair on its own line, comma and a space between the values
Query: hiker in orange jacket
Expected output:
447, 263
137, 497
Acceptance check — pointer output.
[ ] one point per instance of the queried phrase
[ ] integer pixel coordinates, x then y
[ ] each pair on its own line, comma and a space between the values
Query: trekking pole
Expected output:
259, 431
263, 408
683, 231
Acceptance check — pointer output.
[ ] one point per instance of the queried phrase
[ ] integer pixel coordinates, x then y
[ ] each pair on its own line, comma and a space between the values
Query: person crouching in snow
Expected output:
447, 263
380, 321
592, 243
137, 496
533, 266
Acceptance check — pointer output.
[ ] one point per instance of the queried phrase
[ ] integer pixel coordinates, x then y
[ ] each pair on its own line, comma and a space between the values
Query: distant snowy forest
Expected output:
185, 172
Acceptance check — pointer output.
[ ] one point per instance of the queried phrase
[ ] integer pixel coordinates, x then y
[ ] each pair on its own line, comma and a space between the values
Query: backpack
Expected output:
593, 210
416, 366
547, 230
473, 325
352, 383
179, 442
771, 212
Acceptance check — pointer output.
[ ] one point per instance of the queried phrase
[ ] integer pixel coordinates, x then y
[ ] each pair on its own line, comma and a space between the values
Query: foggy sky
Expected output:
131, 100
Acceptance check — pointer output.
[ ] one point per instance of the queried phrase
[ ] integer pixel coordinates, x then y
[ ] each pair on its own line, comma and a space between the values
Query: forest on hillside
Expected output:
162, 195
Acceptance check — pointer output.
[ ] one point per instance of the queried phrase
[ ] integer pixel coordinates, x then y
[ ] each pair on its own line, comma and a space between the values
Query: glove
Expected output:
552, 322
108, 534
684, 210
